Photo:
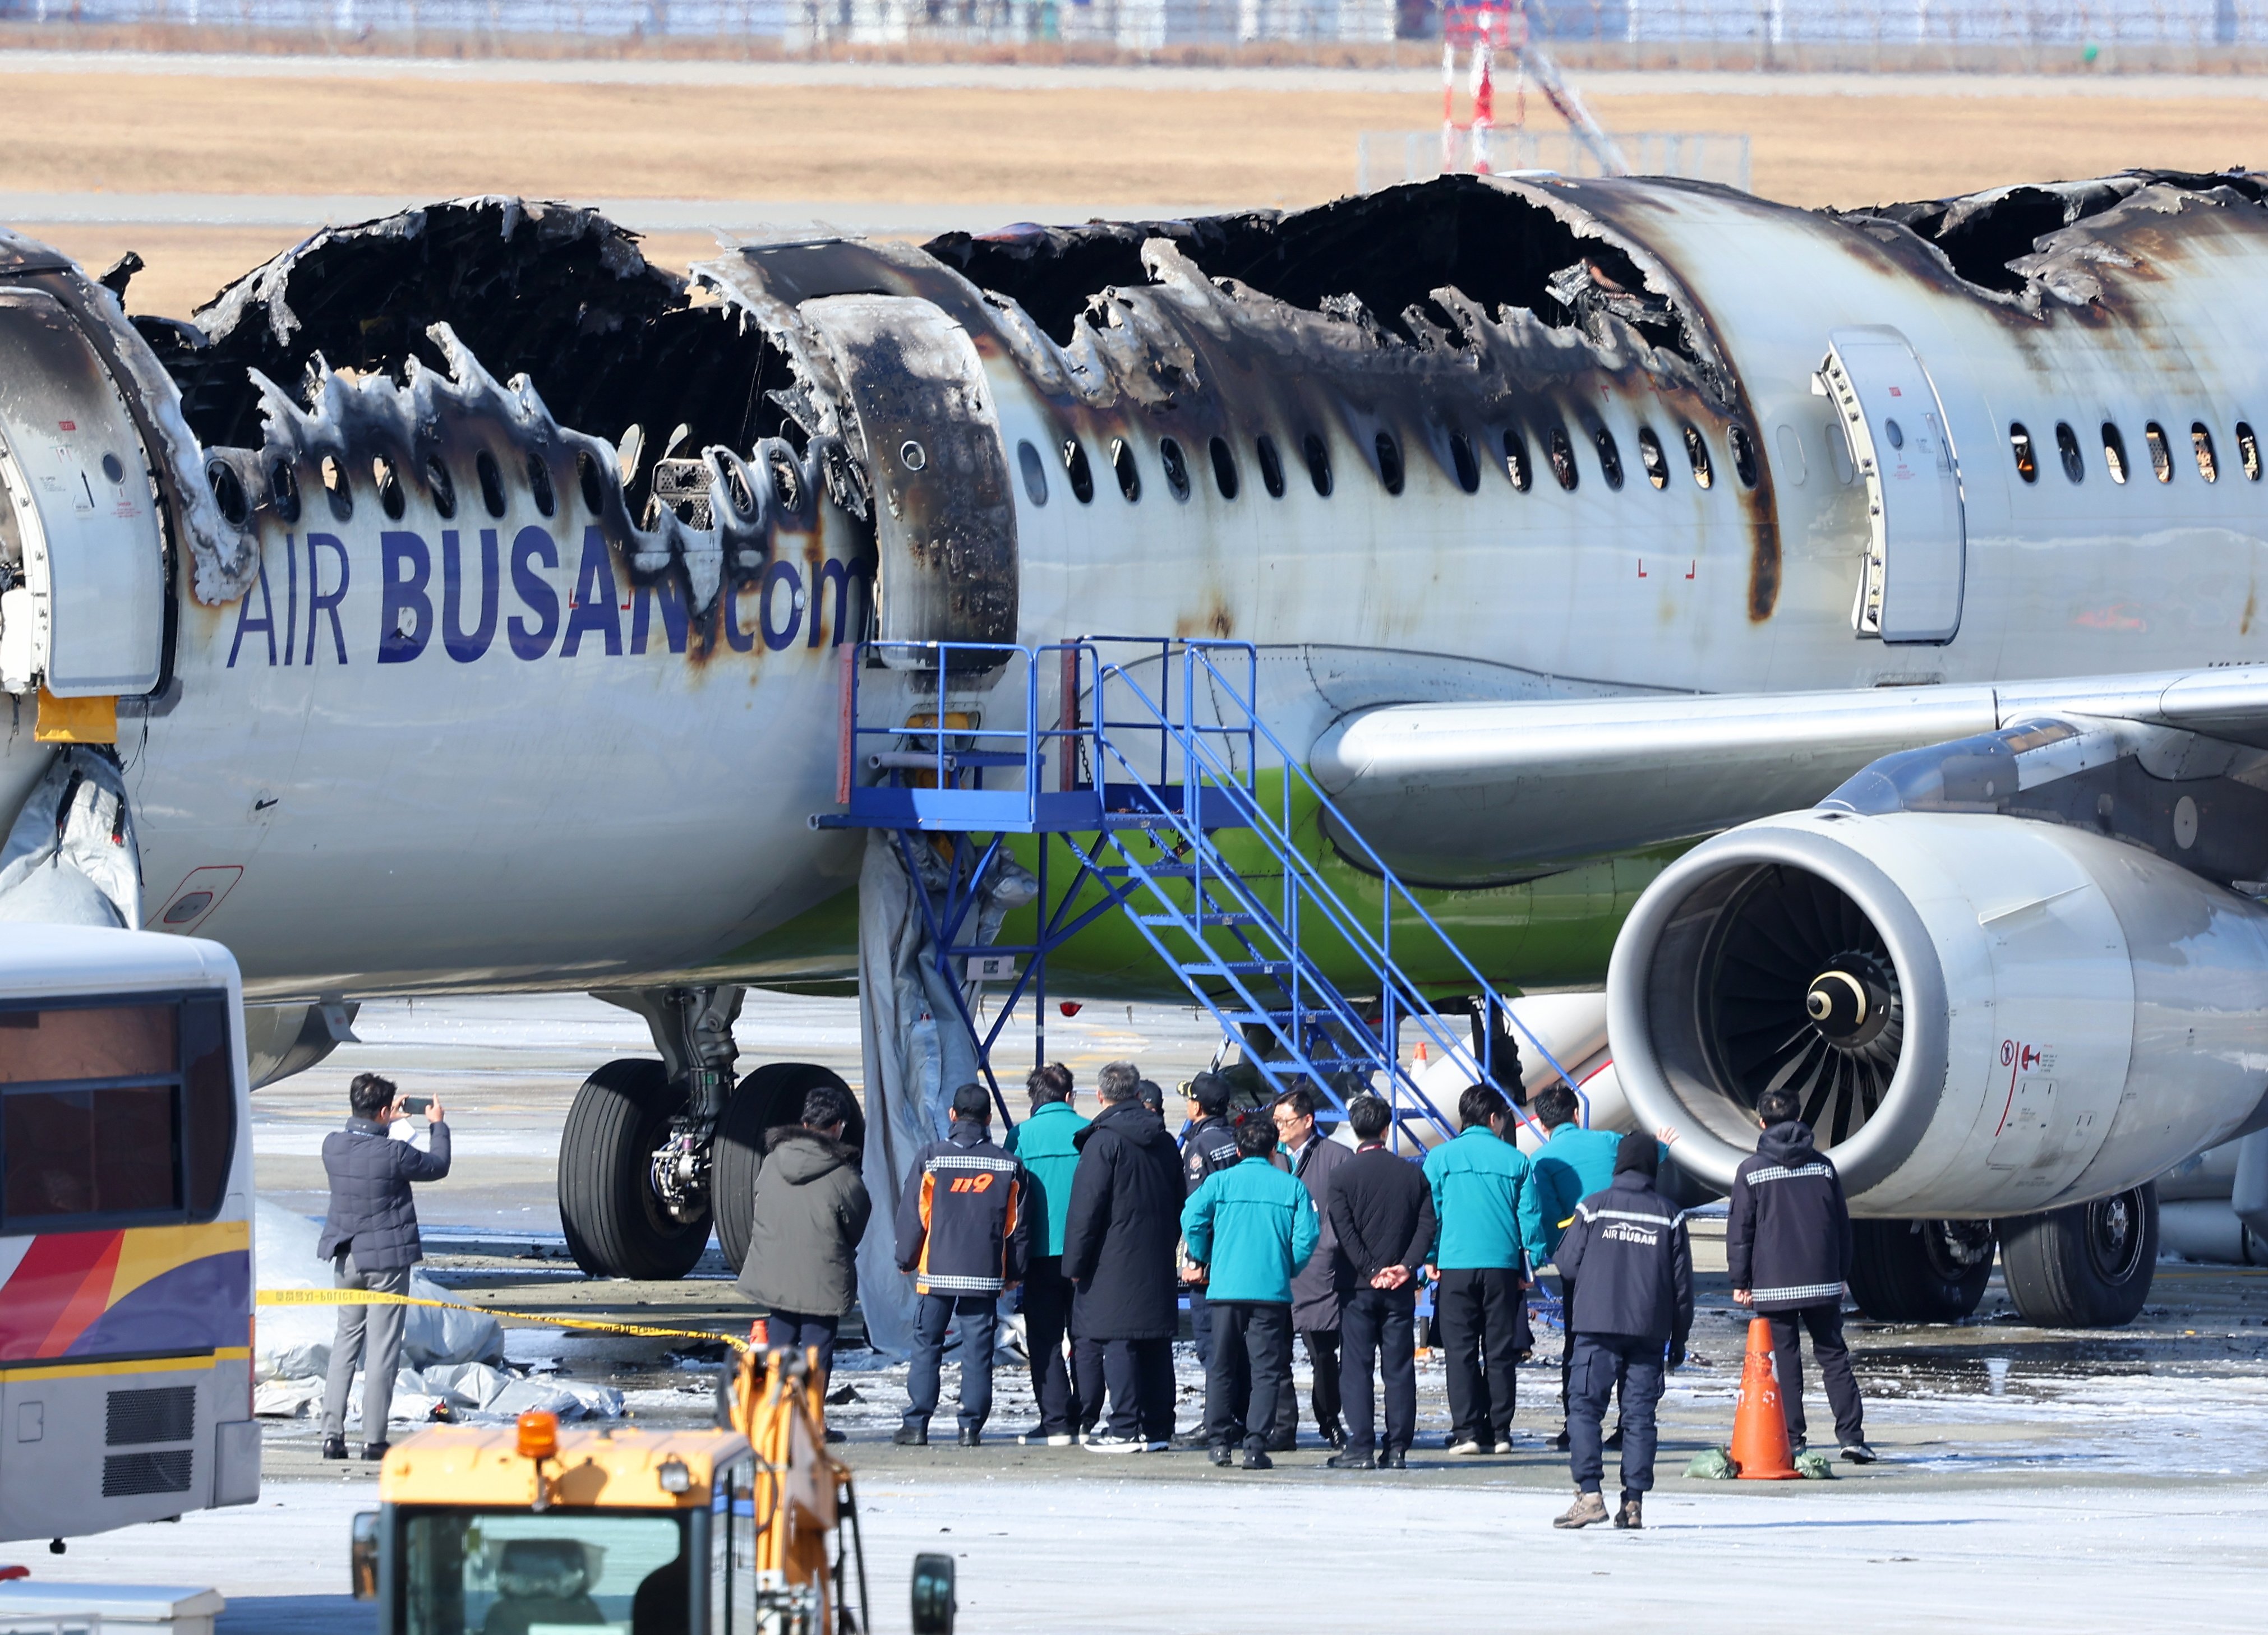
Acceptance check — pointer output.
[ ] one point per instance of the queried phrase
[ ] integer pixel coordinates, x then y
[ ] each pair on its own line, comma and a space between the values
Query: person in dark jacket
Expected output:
370, 1237
1787, 1246
1119, 1244
1047, 1144
1208, 1147
1633, 1267
1379, 1213
964, 1228
811, 1210
1316, 1291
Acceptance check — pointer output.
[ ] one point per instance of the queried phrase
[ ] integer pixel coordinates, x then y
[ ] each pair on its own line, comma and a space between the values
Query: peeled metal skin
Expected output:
2078, 1015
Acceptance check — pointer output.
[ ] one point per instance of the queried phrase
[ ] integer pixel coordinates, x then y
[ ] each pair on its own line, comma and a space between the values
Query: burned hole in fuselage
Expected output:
491, 480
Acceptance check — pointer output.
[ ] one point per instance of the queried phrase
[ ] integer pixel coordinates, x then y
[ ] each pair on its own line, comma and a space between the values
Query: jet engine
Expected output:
1981, 1017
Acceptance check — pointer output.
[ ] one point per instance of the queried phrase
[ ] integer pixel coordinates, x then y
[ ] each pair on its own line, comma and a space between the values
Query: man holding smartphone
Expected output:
371, 1240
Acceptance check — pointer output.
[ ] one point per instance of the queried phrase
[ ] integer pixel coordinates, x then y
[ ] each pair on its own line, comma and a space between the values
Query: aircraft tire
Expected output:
2089, 1266
770, 1096
615, 1227
1919, 1270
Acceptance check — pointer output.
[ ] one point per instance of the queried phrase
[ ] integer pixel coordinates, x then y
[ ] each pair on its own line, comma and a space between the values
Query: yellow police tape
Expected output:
552, 1319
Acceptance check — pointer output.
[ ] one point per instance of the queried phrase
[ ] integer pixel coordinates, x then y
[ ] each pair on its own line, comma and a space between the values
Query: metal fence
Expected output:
1386, 157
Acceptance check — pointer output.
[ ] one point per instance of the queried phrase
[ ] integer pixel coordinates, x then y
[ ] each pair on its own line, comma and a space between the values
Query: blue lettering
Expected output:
728, 614
822, 575
463, 648
668, 593
319, 602
290, 597
595, 608
265, 621
529, 546
779, 573
402, 597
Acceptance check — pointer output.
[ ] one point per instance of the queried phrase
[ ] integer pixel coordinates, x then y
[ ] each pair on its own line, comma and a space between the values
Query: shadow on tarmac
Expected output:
295, 1615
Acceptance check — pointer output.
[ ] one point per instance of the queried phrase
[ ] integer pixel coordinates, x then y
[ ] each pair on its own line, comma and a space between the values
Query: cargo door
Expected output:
928, 434
82, 556
1916, 557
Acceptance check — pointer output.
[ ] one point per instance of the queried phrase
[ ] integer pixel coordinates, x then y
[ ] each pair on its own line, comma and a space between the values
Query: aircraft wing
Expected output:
1468, 793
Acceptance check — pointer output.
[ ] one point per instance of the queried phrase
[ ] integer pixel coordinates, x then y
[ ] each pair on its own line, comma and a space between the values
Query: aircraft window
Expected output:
1461, 455
389, 487
1319, 463
2114, 453
2201, 441
1650, 456
1697, 450
484, 467
2074, 466
1744, 456
283, 490
334, 485
1896, 433
1034, 471
1272, 467
1224, 468
1562, 459
1516, 462
441, 486
1389, 462
2161, 457
1075, 466
2248, 447
539, 484
1610, 457
787, 479
1122, 461
113, 469
1177, 467
742, 497
2028, 464
594, 487
228, 493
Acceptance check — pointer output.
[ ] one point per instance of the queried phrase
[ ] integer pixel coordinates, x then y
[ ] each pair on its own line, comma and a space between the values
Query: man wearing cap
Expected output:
1633, 1267
1208, 1147
964, 1225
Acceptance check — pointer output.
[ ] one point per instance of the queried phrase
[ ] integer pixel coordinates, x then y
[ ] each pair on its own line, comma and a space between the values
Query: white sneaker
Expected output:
1157, 1448
1467, 1448
1504, 1448
1062, 1438
1116, 1445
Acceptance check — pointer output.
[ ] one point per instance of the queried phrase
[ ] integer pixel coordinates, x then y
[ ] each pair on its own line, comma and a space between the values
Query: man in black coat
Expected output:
1787, 1246
1380, 1214
1119, 1250
1633, 1268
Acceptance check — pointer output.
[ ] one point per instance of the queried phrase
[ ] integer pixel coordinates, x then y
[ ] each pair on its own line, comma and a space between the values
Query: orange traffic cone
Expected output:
1759, 1421
1419, 1060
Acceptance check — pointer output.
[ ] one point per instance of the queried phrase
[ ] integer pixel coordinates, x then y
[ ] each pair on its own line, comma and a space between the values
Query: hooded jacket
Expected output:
964, 1222
1047, 1143
1484, 1199
811, 1210
1787, 1234
1124, 1225
1631, 1263
371, 1214
1251, 1228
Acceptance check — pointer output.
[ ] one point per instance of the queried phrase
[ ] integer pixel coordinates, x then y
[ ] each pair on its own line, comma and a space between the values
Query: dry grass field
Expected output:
1079, 148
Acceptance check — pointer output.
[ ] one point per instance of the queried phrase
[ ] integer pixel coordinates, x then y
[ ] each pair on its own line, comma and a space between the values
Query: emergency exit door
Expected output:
1918, 550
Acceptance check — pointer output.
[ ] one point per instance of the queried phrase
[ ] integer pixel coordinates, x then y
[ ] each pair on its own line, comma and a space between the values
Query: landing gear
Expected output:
770, 1096
615, 1153
2089, 1266
1920, 1270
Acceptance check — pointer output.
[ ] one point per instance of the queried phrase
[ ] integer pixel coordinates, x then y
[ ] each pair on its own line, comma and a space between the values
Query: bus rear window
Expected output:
110, 1152
98, 1042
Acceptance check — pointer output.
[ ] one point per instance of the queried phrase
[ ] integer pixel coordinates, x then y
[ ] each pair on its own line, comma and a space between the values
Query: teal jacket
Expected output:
1570, 1166
1485, 1197
1043, 1141
1251, 1227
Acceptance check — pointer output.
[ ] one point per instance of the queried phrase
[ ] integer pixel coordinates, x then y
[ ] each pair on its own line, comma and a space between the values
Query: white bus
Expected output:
125, 1232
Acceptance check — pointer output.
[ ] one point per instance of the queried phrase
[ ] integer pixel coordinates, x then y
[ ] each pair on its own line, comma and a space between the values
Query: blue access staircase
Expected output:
1152, 763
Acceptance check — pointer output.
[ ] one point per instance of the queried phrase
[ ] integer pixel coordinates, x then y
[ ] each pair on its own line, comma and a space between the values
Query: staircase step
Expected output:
1138, 820
1207, 918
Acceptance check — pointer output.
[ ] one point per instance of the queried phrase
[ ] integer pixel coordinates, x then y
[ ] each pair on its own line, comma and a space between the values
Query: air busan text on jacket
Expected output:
1833, 637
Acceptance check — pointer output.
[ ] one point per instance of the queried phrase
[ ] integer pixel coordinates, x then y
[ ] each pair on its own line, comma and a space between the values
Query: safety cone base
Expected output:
1760, 1449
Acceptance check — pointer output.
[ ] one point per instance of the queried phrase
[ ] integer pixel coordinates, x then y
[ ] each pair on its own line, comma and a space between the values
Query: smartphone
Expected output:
417, 1105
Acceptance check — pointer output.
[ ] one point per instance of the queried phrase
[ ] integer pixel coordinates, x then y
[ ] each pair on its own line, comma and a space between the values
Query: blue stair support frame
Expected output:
1191, 787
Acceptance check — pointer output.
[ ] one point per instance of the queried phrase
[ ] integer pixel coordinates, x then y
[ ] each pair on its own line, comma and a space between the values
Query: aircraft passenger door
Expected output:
82, 556
1917, 556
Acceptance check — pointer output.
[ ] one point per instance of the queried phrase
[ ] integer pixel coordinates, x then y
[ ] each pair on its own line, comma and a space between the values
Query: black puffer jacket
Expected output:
1125, 1223
1627, 1253
1787, 1236
811, 1210
373, 1215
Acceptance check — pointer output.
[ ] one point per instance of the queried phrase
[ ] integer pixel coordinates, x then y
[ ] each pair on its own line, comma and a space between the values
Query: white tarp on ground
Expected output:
295, 1341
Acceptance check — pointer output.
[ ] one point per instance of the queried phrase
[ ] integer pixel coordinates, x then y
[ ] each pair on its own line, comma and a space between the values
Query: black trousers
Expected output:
1567, 1340
977, 1316
1601, 1361
1251, 1351
1380, 1323
1089, 1381
800, 1330
1481, 1310
1825, 1324
1200, 1323
1140, 1375
1047, 1324
1322, 1347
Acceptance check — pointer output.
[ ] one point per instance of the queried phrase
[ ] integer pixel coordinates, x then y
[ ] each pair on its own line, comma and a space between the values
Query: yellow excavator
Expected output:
749, 1528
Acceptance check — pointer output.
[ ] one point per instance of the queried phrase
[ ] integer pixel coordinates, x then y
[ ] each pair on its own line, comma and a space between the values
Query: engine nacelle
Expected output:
1982, 1015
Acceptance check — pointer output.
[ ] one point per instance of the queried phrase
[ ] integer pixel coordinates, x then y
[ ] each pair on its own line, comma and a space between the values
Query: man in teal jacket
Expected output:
1571, 1165
1251, 1226
1490, 1219
1044, 1143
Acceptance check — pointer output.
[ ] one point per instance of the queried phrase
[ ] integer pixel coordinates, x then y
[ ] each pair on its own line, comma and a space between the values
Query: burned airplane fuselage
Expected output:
503, 575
